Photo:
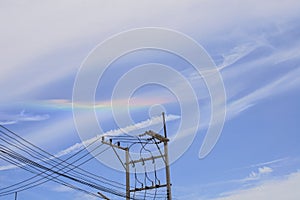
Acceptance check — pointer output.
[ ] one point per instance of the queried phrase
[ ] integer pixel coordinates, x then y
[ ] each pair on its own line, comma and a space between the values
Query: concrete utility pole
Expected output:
168, 177
127, 174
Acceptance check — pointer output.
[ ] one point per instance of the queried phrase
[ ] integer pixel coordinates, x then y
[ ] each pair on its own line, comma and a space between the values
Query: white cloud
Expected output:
265, 170
237, 53
284, 188
8, 122
71, 149
7, 119
269, 162
141, 125
260, 172
62, 188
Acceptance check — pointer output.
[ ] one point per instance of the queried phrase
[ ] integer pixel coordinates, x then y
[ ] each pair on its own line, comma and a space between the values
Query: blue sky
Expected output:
254, 44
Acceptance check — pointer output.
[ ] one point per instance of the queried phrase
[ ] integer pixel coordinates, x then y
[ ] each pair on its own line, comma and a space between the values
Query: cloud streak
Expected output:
237, 53
8, 119
128, 129
284, 83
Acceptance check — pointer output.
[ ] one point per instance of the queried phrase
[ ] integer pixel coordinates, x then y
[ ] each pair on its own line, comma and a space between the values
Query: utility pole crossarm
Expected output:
157, 136
145, 159
113, 145
148, 188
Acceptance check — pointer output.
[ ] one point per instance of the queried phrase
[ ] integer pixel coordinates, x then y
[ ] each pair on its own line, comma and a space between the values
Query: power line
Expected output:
36, 165
7, 159
26, 161
90, 175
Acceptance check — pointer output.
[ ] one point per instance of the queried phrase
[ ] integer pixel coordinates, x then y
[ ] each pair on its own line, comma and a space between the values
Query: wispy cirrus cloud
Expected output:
284, 83
240, 95
280, 160
256, 57
8, 119
237, 53
22, 51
